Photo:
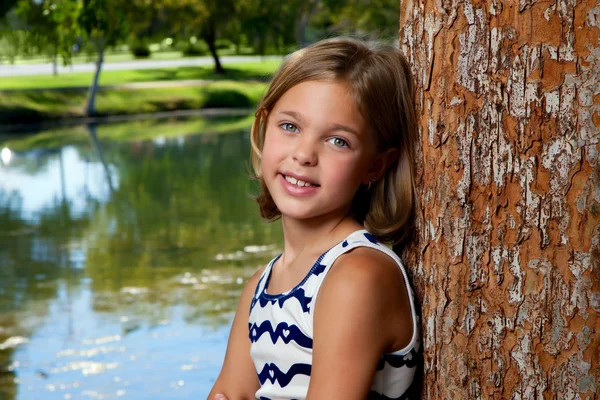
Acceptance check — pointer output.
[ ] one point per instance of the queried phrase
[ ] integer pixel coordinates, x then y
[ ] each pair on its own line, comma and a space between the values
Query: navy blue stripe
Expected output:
270, 372
370, 237
298, 294
284, 331
409, 360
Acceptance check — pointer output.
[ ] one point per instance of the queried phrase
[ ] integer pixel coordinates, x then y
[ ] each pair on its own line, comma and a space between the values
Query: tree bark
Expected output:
507, 255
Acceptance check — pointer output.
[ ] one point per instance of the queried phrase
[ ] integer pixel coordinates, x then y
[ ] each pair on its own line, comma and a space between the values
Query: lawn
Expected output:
34, 99
38, 105
241, 71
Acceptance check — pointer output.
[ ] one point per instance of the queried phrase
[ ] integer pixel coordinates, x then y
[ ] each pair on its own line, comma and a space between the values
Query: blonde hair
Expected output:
382, 84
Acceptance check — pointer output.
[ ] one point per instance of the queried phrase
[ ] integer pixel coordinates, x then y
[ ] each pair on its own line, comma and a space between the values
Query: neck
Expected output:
314, 236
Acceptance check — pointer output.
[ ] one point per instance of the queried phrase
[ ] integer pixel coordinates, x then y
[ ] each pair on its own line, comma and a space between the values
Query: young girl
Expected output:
332, 317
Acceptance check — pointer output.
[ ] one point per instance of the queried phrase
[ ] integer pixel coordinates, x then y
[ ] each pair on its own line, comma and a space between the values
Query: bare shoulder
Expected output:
256, 276
362, 310
251, 283
371, 281
368, 268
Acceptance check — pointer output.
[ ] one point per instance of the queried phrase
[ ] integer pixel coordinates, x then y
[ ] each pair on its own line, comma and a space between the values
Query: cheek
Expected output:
268, 148
349, 170
271, 151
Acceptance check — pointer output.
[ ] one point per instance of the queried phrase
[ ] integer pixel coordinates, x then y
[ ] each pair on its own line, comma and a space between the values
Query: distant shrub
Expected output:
140, 51
228, 98
194, 50
223, 44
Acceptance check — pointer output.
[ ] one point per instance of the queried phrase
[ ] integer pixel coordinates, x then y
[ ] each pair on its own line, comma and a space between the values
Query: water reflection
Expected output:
123, 250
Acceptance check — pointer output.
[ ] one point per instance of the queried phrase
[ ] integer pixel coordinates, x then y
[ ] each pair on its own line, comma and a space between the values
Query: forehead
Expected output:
323, 102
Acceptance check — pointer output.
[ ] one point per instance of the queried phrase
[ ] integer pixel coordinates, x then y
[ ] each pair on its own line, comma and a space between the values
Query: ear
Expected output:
381, 163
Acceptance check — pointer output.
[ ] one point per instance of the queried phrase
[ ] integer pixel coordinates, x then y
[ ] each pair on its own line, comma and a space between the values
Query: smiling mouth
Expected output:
298, 182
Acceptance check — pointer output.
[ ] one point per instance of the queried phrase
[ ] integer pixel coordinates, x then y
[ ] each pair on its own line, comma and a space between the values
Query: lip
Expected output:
297, 190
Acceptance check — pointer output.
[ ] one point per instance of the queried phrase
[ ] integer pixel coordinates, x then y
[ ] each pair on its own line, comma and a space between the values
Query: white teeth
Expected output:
297, 182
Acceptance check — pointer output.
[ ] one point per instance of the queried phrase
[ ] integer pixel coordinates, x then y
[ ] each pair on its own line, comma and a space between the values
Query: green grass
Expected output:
35, 98
240, 71
37, 105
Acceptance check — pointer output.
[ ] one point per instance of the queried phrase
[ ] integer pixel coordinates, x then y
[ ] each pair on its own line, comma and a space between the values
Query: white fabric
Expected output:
281, 333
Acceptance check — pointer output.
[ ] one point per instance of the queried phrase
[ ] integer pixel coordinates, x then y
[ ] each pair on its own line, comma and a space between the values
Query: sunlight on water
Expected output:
122, 259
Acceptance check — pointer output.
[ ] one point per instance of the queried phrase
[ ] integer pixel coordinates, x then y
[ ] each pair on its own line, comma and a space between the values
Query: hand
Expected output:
220, 396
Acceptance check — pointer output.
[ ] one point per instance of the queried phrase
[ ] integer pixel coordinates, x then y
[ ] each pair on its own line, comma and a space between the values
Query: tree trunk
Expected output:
301, 24
210, 37
507, 255
91, 100
55, 63
303, 19
262, 43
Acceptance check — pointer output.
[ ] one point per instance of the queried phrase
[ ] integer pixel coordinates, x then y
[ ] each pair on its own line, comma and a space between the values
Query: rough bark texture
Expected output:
507, 263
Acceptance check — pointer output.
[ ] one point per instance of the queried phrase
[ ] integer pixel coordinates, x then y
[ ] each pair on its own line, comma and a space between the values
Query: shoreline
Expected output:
35, 109
34, 127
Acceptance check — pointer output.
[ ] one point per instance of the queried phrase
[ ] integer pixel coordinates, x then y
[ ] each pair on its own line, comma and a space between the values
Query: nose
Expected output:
305, 152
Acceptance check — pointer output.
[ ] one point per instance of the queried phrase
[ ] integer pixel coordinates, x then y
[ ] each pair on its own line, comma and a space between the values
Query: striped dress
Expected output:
281, 334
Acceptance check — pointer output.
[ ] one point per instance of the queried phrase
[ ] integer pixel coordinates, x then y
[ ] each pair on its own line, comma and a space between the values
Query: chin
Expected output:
296, 213
306, 213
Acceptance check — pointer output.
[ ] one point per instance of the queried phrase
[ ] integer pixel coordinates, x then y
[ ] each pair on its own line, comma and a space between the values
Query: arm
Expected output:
362, 310
237, 379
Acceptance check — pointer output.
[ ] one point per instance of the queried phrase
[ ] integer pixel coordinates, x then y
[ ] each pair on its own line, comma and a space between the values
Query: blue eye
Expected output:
338, 142
286, 126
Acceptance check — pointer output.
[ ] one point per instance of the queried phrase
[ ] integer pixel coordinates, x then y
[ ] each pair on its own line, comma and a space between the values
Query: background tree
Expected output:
104, 23
215, 15
146, 21
507, 260
6, 6
370, 19
267, 23
305, 10
51, 27
13, 36
206, 19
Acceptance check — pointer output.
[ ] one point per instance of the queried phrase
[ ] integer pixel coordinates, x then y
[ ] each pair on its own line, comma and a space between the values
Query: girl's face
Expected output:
317, 150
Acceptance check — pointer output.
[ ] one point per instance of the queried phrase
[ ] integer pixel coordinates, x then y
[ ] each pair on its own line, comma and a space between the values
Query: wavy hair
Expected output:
382, 85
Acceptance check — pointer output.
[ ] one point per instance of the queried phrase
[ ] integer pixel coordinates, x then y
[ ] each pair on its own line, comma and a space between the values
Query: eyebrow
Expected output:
335, 127
293, 114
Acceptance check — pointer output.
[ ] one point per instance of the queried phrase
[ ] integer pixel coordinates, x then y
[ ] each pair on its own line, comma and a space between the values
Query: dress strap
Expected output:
262, 282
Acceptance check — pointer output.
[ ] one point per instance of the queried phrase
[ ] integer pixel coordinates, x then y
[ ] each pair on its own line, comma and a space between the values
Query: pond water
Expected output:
123, 250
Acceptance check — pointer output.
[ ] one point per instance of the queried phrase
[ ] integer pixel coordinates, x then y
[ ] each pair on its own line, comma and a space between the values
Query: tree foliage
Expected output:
104, 21
267, 26
51, 26
372, 19
6, 6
